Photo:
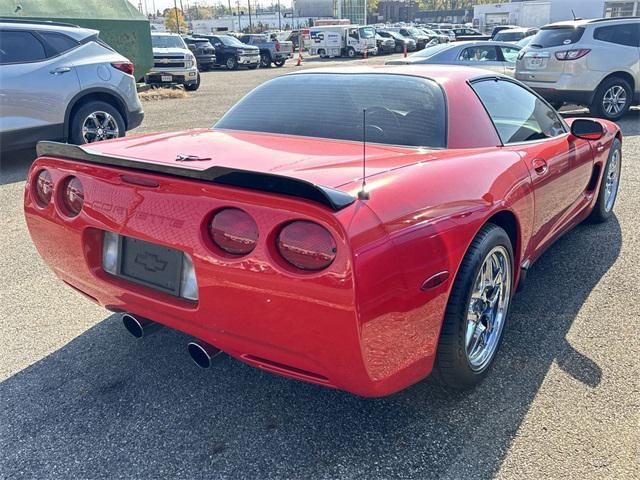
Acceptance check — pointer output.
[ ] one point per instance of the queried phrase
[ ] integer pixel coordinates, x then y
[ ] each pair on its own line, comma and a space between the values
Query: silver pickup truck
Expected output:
271, 50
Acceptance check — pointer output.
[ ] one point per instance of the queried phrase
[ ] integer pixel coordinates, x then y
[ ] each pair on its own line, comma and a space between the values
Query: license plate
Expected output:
166, 78
535, 63
151, 265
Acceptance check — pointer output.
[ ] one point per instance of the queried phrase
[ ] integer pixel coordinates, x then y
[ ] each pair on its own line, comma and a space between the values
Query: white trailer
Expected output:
342, 40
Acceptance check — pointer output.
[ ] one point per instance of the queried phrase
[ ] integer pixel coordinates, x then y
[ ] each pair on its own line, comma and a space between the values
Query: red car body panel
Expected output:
368, 323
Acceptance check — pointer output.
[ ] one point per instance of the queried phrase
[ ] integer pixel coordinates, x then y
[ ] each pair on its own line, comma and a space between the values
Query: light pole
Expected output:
279, 17
250, 24
175, 9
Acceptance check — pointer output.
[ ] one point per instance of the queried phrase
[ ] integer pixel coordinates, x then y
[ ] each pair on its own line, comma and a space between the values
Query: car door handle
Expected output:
540, 166
60, 70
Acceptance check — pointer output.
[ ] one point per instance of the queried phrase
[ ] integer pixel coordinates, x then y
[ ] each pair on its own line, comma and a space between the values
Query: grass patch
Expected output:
162, 93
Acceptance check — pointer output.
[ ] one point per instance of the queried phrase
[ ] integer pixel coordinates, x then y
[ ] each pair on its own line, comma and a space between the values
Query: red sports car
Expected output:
356, 228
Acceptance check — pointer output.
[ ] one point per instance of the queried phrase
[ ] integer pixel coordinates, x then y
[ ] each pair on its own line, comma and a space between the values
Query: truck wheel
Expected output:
351, 52
265, 60
95, 121
279, 62
232, 63
322, 53
192, 87
612, 100
477, 310
253, 67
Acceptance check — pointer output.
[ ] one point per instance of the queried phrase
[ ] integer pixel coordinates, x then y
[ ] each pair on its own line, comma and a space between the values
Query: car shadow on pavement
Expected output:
106, 405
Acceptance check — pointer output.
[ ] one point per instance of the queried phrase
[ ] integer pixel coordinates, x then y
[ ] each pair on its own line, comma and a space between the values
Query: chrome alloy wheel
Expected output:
614, 100
612, 179
488, 308
99, 126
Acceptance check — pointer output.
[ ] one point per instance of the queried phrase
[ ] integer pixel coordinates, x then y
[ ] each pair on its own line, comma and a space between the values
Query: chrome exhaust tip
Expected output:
202, 354
139, 327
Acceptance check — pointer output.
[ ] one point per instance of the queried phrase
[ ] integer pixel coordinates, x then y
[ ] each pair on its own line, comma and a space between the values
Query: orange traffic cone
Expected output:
299, 57
405, 50
365, 53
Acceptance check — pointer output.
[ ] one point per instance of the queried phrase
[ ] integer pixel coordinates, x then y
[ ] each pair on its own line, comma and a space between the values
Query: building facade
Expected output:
354, 10
535, 13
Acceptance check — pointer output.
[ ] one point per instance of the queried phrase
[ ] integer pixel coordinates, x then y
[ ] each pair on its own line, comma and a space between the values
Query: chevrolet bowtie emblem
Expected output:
190, 158
150, 262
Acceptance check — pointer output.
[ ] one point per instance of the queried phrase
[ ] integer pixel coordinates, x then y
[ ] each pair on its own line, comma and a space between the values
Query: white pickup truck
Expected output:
342, 40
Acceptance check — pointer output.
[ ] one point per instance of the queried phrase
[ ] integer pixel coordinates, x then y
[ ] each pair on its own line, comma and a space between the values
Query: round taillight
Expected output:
306, 245
234, 231
44, 188
73, 196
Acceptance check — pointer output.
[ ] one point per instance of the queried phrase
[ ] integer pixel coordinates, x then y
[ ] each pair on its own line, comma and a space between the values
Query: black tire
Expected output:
452, 367
399, 48
598, 109
351, 52
252, 67
279, 62
192, 87
265, 60
84, 111
603, 209
321, 53
231, 63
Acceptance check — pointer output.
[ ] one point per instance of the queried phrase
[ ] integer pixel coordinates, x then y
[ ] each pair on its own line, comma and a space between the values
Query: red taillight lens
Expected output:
234, 231
44, 188
73, 196
306, 245
277, 46
572, 54
126, 67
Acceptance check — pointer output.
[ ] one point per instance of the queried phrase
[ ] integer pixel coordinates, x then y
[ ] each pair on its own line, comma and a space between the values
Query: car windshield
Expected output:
430, 51
230, 41
507, 36
415, 32
367, 32
167, 41
557, 36
400, 109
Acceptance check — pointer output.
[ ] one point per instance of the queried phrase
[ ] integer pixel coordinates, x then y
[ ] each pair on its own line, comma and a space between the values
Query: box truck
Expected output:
342, 40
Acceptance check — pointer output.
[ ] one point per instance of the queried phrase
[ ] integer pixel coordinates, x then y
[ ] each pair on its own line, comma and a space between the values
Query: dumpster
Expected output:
123, 27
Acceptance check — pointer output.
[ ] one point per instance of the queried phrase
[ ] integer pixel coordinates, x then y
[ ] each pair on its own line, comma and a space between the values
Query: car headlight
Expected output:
241, 52
190, 61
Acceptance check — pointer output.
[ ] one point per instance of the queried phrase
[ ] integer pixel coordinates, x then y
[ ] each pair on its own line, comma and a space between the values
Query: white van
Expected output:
342, 40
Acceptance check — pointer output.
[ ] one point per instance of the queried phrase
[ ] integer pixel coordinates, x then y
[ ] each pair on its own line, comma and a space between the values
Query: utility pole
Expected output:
365, 12
279, 17
233, 23
175, 9
250, 24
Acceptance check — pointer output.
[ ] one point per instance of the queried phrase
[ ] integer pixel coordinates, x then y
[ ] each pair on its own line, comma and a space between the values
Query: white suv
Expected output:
595, 63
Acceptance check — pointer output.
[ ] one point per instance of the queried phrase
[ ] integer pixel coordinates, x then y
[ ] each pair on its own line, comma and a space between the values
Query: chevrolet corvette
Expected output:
362, 237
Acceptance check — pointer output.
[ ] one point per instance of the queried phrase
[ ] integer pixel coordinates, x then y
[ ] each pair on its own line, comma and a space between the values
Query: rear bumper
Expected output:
577, 97
304, 326
179, 76
134, 119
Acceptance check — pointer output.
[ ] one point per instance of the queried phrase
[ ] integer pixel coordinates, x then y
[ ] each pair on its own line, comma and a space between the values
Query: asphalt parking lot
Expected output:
80, 398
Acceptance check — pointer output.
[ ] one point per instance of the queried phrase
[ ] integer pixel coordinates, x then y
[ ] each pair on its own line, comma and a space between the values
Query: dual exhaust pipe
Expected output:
201, 353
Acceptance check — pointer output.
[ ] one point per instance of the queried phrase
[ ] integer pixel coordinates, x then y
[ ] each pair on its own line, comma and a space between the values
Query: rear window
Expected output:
57, 42
431, 51
400, 109
557, 37
506, 36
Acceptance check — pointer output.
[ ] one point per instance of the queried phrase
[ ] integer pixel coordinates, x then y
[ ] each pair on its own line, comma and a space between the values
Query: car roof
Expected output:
588, 21
473, 43
517, 29
73, 31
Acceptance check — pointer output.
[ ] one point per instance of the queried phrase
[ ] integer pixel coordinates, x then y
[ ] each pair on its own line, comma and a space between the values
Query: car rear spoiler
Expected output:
265, 182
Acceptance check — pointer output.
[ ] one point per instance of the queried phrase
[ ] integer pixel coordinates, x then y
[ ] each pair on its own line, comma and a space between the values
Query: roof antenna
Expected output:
363, 194
574, 15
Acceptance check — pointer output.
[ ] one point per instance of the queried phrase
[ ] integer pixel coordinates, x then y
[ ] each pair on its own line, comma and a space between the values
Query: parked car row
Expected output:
178, 60
593, 63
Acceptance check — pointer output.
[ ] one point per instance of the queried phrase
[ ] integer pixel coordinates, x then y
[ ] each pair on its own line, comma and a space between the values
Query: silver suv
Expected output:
595, 63
61, 82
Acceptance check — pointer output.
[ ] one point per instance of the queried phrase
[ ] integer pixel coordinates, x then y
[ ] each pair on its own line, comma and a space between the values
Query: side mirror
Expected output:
587, 129
192, 47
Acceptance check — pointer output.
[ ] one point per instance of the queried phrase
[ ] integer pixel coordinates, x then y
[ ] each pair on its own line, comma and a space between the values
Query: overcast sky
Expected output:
162, 4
